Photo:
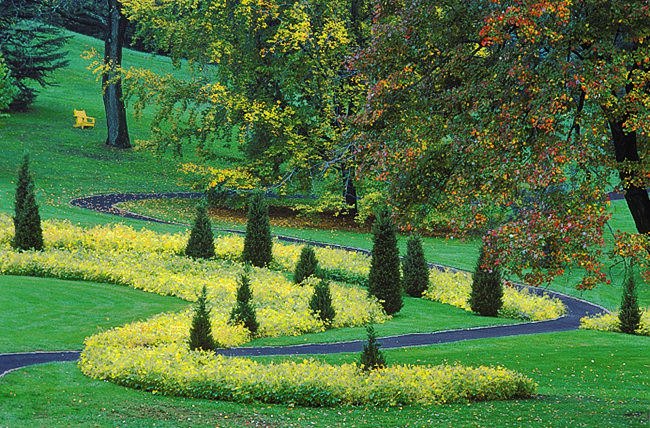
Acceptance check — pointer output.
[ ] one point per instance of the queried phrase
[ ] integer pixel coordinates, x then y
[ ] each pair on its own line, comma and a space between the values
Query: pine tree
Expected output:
201, 242
415, 268
243, 312
630, 316
306, 266
384, 278
258, 245
371, 356
201, 329
321, 303
486, 297
28, 233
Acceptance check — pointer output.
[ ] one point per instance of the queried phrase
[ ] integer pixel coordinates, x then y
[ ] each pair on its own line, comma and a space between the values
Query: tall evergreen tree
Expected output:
384, 278
321, 303
258, 245
243, 312
630, 316
28, 233
415, 268
486, 297
371, 356
201, 242
306, 266
201, 329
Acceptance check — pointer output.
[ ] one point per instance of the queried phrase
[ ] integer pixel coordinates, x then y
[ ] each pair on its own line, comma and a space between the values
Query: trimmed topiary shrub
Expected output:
371, 356
630, 316
486, 297
384, 280
306, 266
258, 245
201, 330
321, 303
200, 245
243, 312
414, 268
28, 233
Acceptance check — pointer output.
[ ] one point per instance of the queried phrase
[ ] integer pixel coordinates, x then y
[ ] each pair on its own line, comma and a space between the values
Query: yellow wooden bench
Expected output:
83, 121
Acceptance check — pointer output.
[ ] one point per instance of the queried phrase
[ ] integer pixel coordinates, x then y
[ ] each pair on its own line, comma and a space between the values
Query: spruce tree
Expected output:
630, 316
414, 268
384, 278
201, 329
258, 245
28, 233
371, 356
321, 303
306, 266
200, 245
243, 312
486, 297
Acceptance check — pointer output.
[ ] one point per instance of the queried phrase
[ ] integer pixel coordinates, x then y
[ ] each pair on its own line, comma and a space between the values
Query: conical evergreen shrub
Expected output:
258, 245
630, 316
243, 312
371, 356
384, 280
321, 303
201, 329
28, 233
200, 245
306, 266
486, 297
415, 270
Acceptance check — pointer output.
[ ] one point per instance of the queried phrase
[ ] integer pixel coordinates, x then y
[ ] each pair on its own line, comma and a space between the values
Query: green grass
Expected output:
611, 391
43, 314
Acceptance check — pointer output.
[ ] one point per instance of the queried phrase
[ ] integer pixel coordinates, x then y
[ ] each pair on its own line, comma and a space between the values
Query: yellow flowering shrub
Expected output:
454, 288
173, 370
609, 322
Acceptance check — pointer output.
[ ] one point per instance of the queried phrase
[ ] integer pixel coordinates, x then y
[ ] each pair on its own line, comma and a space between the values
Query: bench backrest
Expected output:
80, 113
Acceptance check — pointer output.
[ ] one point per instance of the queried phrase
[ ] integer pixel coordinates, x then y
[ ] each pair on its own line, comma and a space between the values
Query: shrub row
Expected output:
610, 322
173, 370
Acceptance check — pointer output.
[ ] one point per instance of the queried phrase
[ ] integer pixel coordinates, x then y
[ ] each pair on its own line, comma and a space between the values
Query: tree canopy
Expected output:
274, 70
511, 117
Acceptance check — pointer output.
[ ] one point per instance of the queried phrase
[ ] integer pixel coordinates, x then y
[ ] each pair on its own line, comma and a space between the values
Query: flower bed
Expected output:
609, 322
454, 288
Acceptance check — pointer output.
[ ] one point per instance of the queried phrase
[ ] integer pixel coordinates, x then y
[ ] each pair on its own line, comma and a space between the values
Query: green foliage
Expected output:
28, 233
258, 245
486, 297
201, 330
371, 357
320, 303
384, 277
32, 51
415, 268
630, 315
200, 245
243, 312
8, 87
306, 266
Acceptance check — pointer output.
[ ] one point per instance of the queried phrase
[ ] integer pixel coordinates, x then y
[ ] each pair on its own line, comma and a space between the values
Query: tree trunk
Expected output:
118, 133
638, 202
350, 191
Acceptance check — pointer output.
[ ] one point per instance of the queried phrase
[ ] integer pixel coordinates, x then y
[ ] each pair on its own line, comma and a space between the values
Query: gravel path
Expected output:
576, 308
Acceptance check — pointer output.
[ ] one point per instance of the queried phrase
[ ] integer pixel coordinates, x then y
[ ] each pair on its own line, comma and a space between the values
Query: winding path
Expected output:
576, 308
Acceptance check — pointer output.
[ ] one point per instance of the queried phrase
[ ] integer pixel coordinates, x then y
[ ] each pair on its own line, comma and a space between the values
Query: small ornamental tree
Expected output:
371, 356
415, 268
258, 245
630, 316
486, 297
307, 265
201, 330
384, 278
28, 234
201, 242
321, 303
243, 312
